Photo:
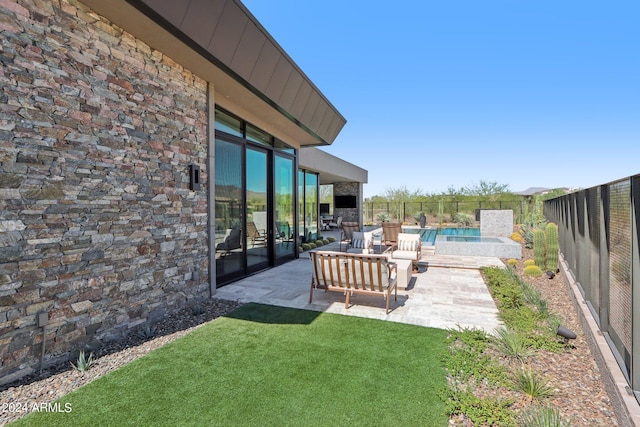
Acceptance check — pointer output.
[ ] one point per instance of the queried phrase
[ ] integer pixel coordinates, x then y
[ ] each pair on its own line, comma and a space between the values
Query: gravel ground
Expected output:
580, 392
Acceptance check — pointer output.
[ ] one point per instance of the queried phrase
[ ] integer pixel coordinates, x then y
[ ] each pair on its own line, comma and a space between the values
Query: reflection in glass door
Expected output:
229, 240
284, 208
257, 236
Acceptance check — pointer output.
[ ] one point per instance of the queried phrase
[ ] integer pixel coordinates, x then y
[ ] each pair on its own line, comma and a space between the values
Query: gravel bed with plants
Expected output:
538, 381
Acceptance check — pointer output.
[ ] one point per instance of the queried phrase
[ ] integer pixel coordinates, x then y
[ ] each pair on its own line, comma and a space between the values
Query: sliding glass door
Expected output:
285, 244
258, 223
229, 209
255, 198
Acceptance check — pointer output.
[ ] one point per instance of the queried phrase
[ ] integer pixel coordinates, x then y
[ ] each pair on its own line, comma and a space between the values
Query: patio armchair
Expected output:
231, 241
347, 233
390, 231
255, 236
284, 233
361, 242
337, 223
409, 247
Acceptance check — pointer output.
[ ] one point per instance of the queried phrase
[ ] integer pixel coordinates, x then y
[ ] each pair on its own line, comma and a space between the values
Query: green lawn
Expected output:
271, 366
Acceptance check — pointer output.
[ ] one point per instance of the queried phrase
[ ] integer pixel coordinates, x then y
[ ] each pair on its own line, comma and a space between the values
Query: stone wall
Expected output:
496, 223
98, 227
347, 189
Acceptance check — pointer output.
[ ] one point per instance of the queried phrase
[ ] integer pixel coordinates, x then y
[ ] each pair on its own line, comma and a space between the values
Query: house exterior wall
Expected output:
98, 226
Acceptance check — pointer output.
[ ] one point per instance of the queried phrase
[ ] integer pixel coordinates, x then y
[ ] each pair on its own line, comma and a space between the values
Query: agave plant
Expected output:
83, 363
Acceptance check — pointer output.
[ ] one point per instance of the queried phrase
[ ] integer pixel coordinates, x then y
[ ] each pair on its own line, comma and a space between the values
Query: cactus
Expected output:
538, 247
533, 270
552, 247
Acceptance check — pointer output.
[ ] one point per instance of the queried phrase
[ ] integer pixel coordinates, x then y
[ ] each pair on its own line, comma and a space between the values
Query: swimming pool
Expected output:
428, 234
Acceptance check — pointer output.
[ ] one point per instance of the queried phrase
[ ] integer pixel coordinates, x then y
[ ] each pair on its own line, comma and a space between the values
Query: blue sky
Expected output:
441, 94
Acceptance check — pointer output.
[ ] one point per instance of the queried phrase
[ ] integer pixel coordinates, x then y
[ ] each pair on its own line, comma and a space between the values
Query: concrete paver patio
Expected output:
450, 293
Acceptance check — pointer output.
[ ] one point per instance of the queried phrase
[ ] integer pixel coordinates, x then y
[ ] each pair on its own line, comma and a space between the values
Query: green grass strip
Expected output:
273, 366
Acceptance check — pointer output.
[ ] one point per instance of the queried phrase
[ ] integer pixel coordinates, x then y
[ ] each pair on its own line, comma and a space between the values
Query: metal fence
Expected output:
438, 211
598, 229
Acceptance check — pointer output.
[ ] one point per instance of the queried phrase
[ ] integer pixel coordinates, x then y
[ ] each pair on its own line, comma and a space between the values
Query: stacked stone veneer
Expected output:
347, 189
496, 223
98, 227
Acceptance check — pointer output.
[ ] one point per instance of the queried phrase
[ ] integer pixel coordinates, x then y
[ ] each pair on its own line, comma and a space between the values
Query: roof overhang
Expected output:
223, 43
331, 169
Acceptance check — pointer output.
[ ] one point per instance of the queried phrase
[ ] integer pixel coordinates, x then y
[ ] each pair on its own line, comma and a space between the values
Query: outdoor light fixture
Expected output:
566, 333
194, 177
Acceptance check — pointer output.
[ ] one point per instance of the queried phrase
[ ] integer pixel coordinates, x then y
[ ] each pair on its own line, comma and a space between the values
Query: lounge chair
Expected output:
255, 236
347, 233
390, 231
409, 247
361, 242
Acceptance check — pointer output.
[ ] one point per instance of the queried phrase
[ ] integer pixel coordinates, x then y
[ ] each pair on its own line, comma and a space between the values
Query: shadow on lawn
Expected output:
263, 313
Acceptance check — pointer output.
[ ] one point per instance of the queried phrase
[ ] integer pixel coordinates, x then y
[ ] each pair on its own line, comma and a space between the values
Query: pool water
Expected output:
428, 235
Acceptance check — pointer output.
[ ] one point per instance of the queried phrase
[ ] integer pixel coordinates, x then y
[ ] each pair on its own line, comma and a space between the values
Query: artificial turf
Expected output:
271, 366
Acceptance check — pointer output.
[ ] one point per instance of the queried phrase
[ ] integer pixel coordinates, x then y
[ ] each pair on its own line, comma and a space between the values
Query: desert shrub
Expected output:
331, 239
463, 219
383, 217
512, 344
533, 271
306, 246
319, 243
533, 385
544, 416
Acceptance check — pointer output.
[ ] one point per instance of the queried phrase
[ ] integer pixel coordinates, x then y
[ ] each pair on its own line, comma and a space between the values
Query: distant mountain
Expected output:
532, 191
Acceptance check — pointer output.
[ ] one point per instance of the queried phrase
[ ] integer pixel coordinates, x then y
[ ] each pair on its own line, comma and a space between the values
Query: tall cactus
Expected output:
538, 247
552, 247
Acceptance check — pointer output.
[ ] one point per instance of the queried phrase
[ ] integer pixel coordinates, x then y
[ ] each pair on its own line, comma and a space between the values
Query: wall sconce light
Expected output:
194, 177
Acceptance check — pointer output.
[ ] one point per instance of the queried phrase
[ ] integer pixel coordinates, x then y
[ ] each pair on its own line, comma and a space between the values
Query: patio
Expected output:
450, 293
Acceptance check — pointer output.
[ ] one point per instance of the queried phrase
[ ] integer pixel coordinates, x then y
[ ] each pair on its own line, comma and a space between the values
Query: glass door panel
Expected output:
284, 208
311, 206
229, 239
257, 236
301, 227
